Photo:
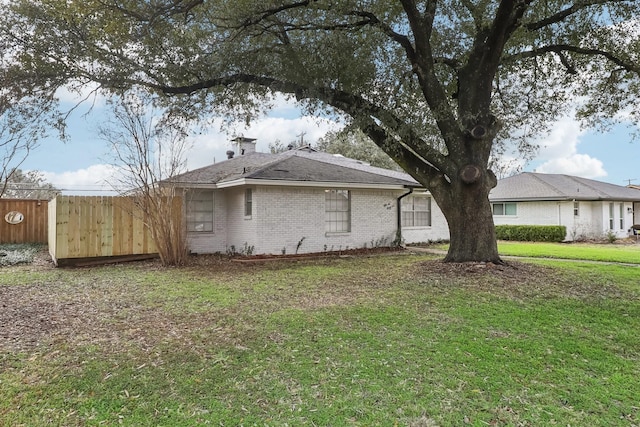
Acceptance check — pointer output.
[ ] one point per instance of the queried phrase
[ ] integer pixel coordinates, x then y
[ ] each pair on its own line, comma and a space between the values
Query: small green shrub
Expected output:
531, 233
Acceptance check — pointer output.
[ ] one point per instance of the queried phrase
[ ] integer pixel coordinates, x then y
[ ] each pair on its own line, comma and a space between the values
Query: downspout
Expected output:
399, 216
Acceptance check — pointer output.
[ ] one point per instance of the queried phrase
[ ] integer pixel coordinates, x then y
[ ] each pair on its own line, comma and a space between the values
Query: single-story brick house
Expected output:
588, 208
302, 201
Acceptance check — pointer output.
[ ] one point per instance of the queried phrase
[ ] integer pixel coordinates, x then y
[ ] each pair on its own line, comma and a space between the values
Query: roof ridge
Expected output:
536, 176
335, 165
354, 164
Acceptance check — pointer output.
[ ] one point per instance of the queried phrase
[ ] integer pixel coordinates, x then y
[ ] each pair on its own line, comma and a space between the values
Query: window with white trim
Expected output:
337, 211
248, 202
576, 208
621, 216
200, 211
611, 218
416, 211
504, 209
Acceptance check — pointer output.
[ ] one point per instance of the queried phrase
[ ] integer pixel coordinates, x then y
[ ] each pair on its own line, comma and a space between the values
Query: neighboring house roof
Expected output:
299, 166
529, 186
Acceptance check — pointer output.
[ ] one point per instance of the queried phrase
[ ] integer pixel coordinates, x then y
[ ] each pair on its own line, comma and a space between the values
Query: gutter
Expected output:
399, 216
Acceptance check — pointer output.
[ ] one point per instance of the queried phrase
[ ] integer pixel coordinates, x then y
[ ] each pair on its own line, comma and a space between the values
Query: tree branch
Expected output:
355, 106
401, 154
424, 67
565, 13
479, 72
421, 25
477, 17
401, 39
264, 14
173, 7
561, 48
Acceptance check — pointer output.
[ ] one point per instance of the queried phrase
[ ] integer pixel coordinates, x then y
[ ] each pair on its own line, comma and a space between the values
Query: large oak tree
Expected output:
437, 85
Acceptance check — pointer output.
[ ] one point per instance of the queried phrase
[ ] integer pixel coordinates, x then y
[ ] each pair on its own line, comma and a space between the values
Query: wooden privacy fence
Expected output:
23, 221
85, 227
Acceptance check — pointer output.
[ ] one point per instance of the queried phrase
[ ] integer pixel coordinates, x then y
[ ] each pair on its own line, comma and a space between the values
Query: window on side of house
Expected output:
611, 219
248, 202
621, 216
576, 208
416, 211
504, 209
200, 211
337, 211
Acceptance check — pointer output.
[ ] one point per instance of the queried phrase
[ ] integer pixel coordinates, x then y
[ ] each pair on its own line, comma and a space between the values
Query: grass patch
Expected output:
592, 252
365, 341
628, 254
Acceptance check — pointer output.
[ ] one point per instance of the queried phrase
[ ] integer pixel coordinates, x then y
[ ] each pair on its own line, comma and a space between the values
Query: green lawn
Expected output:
629, 253
366, 341
622, 253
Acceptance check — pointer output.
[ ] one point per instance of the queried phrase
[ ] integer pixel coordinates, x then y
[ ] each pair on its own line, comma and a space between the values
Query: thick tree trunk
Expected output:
468, 212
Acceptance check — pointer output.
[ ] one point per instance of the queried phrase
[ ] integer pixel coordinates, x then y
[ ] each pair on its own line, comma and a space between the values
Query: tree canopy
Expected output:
353, 143
438, 85
28, 185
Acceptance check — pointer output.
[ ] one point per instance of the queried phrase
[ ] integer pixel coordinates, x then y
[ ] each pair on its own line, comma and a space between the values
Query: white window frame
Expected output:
576, 208
200, 211
414, 213
611, 216
248, 203
337, 211
621, 216
503, 210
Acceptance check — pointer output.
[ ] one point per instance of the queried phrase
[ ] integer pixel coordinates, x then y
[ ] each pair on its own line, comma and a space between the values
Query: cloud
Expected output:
94, 180
562, 140
581, 165
559, 152
213, 144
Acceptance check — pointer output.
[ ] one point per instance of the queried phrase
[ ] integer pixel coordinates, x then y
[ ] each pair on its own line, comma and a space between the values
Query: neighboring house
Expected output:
302, 201
588, 208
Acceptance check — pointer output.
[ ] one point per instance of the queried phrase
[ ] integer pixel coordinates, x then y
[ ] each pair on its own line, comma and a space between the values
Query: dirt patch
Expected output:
35, 317
510, 270
516, 280
30, 313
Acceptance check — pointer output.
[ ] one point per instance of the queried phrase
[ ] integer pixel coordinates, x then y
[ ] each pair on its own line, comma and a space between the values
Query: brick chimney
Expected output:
243, 146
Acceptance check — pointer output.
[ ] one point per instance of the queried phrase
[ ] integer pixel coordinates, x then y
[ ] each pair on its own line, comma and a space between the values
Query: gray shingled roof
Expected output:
295, 165
227, 170
539, 186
